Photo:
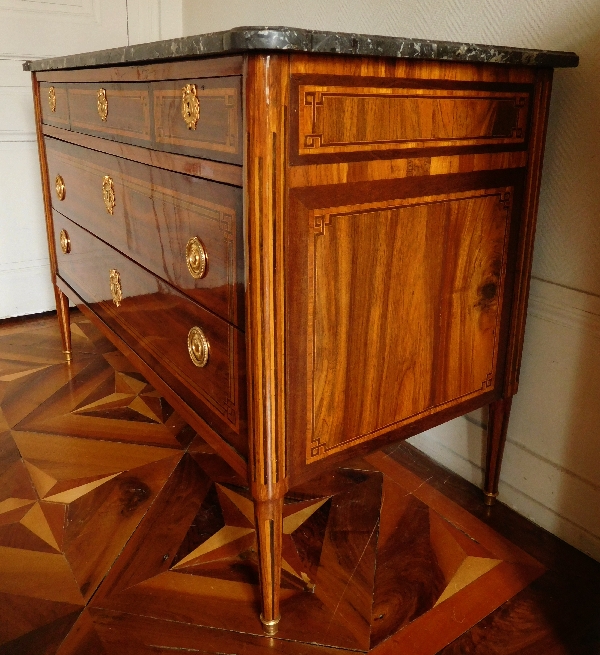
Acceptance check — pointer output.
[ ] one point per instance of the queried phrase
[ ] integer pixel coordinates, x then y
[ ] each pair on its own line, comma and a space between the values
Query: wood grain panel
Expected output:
60, 116
381, 278
346, 116
265, 160
156, 212
208, 67
378, 169
128, 117
211, 170
530, 208
154, 320
404, 299
404, 68
218, 132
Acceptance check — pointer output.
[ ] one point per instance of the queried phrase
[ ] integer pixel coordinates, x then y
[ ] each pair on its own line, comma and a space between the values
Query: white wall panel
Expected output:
47, 28
16, 107
144, 21
153, 20
24, 268
31, 29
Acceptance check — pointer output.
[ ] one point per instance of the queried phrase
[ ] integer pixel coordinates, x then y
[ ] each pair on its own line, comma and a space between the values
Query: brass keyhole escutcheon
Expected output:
198, 347
52, 98
196, 258
108, 193
60, 187
102, 104
115, 286
65, 242
190, 106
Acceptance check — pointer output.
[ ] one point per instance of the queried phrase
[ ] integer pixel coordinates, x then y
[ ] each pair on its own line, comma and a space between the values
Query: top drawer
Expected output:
197, 117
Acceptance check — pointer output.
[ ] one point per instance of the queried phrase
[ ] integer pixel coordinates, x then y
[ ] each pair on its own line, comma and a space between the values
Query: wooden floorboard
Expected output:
122, 532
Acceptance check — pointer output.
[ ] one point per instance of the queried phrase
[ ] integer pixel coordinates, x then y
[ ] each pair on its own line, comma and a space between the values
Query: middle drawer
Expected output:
200, 356
185, 229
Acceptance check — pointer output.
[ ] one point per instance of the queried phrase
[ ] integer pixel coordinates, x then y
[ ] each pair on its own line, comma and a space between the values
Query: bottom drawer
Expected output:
157, 323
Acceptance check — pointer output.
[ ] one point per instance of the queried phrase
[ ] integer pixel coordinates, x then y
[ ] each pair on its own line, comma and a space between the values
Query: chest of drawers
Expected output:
310, 255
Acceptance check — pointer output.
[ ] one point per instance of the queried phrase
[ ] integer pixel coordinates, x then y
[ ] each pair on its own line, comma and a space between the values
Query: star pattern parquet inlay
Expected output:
122, 531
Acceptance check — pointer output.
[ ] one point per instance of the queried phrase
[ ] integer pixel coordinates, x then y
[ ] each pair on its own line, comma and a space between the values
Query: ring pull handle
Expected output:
196, 258
190, 106
198, 347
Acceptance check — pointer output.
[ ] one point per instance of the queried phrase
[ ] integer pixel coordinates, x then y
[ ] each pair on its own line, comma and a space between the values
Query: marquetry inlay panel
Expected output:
129, 115
217, 128
350, 119
404, 296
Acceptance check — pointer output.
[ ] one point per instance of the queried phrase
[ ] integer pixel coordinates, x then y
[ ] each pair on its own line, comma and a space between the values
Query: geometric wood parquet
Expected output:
121, 531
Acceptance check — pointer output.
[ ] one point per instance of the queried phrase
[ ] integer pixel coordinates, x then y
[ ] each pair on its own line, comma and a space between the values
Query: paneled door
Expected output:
405, 304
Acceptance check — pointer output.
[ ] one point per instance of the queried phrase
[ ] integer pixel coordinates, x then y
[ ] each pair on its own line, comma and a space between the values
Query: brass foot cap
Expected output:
270, 627
490, 498
67, 354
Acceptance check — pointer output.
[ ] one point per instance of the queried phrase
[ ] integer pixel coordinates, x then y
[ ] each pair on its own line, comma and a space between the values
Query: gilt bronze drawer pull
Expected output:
115, 286
102, 104
190, 106
65, 242
52, 98
196, 258
60, 187
198, 347
108, 193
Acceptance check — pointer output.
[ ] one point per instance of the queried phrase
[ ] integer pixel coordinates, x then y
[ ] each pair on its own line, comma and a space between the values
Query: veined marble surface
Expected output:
247, 39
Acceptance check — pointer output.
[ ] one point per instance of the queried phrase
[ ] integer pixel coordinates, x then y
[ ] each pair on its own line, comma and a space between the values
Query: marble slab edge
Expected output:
288, 39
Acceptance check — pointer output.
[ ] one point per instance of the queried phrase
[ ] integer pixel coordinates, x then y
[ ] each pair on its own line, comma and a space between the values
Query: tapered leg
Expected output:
499, 413
269, 529
64, 323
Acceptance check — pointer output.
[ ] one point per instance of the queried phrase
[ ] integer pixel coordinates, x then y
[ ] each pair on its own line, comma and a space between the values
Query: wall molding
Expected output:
560, 305
518, 499
18, 136
79, 8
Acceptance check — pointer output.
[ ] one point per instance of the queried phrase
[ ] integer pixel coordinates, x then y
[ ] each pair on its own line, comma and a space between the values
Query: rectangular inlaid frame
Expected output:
302, 206
520, 93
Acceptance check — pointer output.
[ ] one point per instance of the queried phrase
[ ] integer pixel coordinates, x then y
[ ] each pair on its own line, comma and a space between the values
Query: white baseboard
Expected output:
551, 467
26, 291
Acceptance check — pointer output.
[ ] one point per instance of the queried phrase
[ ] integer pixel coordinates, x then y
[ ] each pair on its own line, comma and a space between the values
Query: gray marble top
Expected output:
247, 39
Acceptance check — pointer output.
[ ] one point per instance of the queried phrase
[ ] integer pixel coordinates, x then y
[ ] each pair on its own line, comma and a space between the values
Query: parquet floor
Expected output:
121, 532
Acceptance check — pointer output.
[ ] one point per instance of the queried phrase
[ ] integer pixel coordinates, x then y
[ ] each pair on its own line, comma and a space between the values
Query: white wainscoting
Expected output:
24, 267
154, 20
31, 29
551, 469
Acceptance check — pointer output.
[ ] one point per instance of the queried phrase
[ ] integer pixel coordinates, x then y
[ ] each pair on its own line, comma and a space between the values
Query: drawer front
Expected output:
120, 112
155, 214
362, 118
196, 117
212, 126
154, 320
54, 105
